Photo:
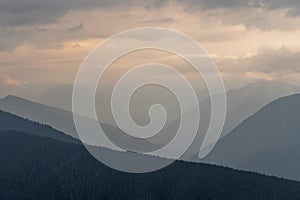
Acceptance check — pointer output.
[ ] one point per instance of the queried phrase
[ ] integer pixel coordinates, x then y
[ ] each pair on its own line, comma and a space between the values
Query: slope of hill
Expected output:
268, 142
244, 102
59, 97
12, 122
57, 118
241, 104
141, 101
62, 120
41, 168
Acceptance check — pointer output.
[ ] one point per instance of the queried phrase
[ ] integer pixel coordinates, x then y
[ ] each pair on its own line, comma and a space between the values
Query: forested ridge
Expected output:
34, 167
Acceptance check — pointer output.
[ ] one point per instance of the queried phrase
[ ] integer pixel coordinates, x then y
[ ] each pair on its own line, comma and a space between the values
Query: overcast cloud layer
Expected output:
44, 42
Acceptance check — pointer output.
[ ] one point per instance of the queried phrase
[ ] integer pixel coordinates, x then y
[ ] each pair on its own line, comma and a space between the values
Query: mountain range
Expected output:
245, 101
13, 122
241, 104
62, 120
267, 142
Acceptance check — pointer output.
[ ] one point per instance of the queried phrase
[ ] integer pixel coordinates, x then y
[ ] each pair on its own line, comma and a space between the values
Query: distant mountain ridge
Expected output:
62, 120
267, 142
59, 119
59, 97
12, 122
241, 104
244, 102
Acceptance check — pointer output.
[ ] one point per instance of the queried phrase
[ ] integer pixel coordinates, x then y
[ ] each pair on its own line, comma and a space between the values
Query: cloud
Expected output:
267, 64
292, 6
7, 80
29, 12
47, 24
24, 12
10, 81
8, 84
76, 28
10, 39
258, 18
47, 40
258, 76
257, 14
270, 61
160, 20
214, 4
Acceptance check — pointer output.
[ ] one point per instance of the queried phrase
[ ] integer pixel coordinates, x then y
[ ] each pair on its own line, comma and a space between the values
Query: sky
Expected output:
43, 43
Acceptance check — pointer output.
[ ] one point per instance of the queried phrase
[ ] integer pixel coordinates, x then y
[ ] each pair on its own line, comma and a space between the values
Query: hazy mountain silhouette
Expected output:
268, 142
141, 101
59, 97
41, 168
62, 120
12, 122
244, 102
241, 104
57, 118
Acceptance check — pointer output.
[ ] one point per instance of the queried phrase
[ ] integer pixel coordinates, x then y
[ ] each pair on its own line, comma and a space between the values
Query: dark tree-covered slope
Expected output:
12, 122
33, 167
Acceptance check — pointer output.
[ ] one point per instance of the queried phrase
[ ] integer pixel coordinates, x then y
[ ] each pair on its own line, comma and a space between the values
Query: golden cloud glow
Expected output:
53, 52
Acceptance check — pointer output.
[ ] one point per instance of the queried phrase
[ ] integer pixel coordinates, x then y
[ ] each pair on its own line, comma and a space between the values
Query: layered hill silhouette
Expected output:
262, 145
245, 101
57, 118
241, 104
61, 97
267, 142
12, 122
62, 120
34, 167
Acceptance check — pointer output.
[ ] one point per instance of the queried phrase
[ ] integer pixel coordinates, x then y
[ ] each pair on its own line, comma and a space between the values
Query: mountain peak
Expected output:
8, 97
16, 99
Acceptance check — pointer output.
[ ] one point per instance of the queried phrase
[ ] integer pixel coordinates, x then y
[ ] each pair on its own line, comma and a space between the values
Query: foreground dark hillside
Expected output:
33, 167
